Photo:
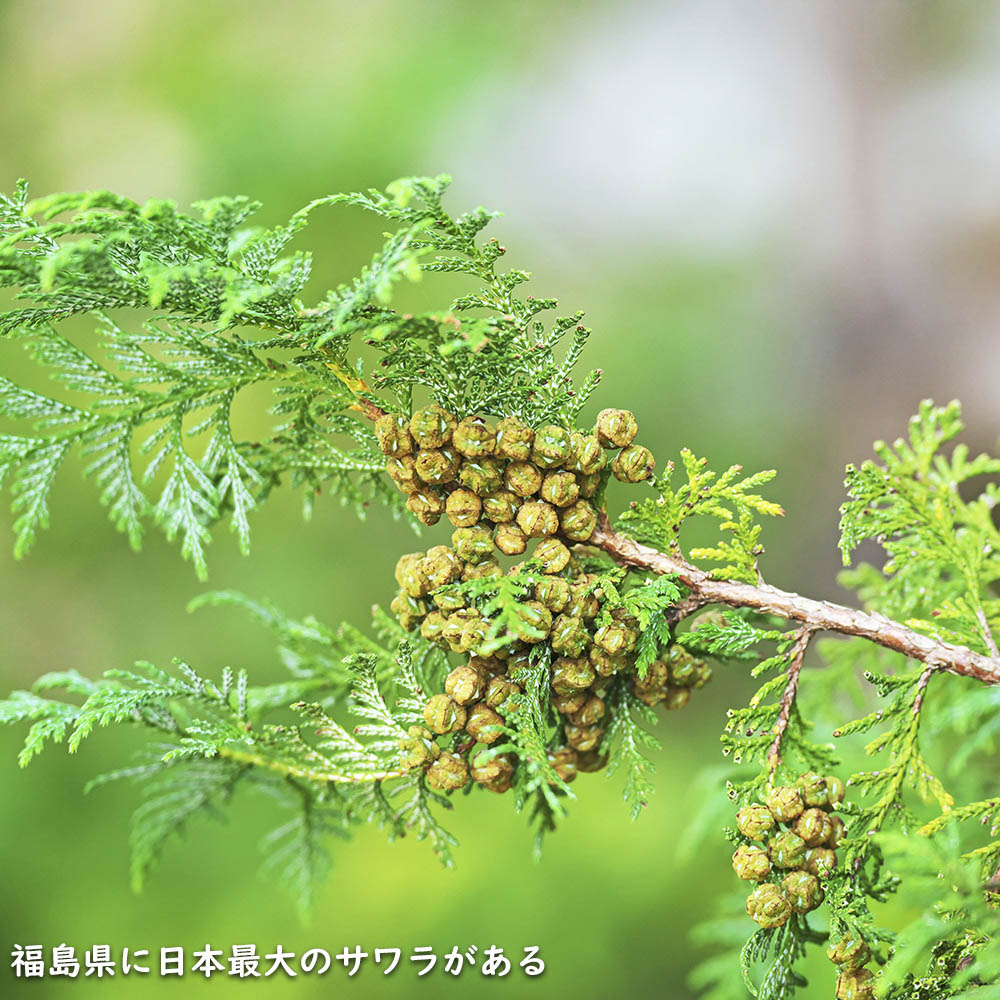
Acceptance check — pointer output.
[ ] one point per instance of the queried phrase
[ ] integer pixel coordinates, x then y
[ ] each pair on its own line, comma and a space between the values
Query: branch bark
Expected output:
818, 615
798, 654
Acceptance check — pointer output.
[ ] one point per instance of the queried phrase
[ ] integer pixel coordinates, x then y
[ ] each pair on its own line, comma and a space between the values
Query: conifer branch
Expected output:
818, 615
565, 659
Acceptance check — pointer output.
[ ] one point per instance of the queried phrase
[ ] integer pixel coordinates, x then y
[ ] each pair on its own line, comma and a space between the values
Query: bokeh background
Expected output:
783, 222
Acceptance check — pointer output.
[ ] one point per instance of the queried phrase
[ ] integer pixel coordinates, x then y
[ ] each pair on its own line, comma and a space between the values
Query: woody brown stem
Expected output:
925, 679
368, 409
818, 615
991, 643
796, 657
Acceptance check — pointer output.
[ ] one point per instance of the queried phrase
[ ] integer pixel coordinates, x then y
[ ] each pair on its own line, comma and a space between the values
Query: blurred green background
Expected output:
782, 221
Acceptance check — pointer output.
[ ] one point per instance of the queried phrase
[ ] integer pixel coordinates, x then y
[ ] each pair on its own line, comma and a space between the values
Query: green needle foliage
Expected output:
146, 325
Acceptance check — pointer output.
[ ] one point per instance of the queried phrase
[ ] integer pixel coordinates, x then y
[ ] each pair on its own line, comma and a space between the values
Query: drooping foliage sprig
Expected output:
215, 308
151, 325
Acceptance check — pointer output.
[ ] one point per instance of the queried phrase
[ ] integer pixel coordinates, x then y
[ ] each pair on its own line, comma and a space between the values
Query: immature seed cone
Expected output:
498, 690
583, 603
835, 791
432, 426
535, 622
850, 952
633, 464
569, 704
675, 698
410, 576
751, 863
510, 539
803, 891
442, 715
588, 456
564, 762
419, 748
607, 665
591, 761
651, 689
590, 713
402, 470
551, 447
560, 489
589, 485
441, 566
474, 437
448, 773
578, 521
623, 617
481, 475
408, 610
615, 638
473, 545
553, 592
552, 554
837, 829
500, 507
537, 519
813, 789
437, 466
518, 658
479, 571
857, 984
569, 636
425, 505
755, 821
820, 861
768, 906
616, 428
522, 479
433, 626
583, 738
514, 439
483, 724
787, 850
463, 508
393, 435
454, 625
495, 774
571, 674
785, 803
474, 635
488, 666
682, 666
464, 684
814, 827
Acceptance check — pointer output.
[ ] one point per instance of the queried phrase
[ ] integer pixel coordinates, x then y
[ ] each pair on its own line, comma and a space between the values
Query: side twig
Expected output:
308, 773
796, 657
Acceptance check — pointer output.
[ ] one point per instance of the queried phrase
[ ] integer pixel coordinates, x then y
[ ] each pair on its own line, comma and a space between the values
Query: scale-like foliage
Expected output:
726, 498
205, 308
210, 739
